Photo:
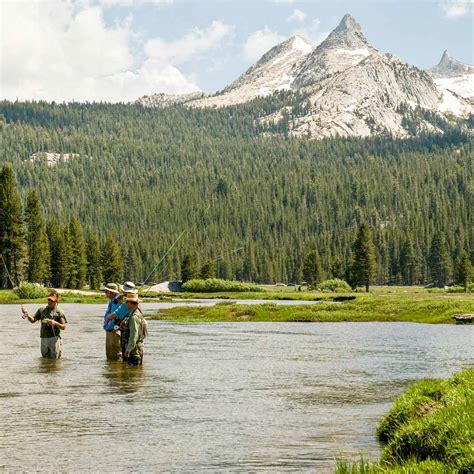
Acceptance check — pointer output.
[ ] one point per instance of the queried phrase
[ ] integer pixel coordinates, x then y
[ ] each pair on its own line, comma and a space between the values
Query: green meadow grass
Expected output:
422, 309
430, 429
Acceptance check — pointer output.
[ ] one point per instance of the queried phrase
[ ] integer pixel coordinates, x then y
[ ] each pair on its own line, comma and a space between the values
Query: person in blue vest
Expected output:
113, 350
117, 317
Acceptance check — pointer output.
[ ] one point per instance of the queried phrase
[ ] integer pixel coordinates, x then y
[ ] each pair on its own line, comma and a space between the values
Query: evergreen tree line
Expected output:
255, 208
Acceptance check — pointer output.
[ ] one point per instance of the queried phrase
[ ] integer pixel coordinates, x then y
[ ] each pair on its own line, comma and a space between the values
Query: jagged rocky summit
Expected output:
348, 88
454, 76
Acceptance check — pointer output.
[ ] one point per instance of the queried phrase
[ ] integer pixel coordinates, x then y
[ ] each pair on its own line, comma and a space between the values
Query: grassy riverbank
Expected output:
381, 304
365, 307
430, 429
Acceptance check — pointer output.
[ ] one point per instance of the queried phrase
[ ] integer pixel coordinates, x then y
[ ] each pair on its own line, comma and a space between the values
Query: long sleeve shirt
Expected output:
134, 327
111, 308
121, 311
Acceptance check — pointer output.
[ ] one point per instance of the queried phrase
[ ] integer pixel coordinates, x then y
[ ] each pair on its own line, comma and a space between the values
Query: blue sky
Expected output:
121, 49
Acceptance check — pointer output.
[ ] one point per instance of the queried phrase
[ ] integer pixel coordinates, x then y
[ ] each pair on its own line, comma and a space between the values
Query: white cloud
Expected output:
194, 42
456, 8
63, 51
297, 16
312, 32
260, 42
128, 3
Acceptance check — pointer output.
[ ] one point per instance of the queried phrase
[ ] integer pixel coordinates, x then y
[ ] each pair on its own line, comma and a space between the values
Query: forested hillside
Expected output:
146, 175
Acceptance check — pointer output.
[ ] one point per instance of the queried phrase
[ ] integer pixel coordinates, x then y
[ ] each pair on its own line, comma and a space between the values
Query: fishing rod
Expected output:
172, 245
220, 257
6, 269
162, 258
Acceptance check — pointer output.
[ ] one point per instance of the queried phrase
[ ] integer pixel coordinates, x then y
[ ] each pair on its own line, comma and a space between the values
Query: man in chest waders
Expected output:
134, 329
53, 321
113, 350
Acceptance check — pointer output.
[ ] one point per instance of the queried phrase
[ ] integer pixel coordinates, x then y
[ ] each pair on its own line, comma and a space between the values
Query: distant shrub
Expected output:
336, 285
213, 285
31, 291
460, 289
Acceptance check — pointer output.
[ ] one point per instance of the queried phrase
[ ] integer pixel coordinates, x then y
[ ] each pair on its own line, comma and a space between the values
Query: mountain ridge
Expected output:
349, 87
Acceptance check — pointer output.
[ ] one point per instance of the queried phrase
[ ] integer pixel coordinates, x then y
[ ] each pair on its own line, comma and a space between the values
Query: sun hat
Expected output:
132, 298
129, 287
112, 287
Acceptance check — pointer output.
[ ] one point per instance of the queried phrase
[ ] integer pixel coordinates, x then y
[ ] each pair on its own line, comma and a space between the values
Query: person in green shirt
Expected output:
53, 321
134, 331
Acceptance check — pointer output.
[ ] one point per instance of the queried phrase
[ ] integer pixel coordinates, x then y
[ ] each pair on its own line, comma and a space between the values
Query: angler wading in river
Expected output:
134, 329
112, 333
53, 321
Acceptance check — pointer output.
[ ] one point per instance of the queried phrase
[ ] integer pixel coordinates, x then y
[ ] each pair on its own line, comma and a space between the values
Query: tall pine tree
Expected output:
364, 265
112, 263
94, 270
439, 261
312, 269
39, 256
464, 270
12, 245
78, 267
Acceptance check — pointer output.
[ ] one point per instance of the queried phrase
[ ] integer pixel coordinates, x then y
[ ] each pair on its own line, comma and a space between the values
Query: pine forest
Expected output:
226, 193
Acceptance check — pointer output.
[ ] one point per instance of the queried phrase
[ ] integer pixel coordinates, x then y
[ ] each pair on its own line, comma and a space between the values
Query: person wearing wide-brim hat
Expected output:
134, 331
53, 321
113, 350
128, 289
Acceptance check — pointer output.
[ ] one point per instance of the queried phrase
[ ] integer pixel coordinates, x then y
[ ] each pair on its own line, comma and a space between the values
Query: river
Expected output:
210, 397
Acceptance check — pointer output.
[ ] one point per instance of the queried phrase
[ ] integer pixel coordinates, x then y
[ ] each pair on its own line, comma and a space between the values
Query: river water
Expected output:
210, 397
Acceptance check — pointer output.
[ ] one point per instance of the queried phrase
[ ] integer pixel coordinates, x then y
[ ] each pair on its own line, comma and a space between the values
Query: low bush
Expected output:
30, 291
214, 285
336, 286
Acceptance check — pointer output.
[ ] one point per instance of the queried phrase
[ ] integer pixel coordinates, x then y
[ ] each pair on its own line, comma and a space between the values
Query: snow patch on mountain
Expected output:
453, 75
275, 71
372, 97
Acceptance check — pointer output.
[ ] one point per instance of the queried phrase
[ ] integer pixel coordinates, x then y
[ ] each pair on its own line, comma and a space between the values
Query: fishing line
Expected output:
6, 269
170, 248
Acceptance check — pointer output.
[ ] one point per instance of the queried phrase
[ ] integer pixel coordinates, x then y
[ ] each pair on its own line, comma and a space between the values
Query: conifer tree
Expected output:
78, 255
130, 265
364, 263
337, 268
39, 257
12, 245
55, 236
439, 261
408, 263
112, 264
225, 270
188, 268
65, 258
94, 270
312, 269
464, 270
208, 270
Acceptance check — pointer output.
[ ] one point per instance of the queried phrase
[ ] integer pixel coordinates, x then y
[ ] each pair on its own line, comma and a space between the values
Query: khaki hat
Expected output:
112, 287
129, 287
132, 298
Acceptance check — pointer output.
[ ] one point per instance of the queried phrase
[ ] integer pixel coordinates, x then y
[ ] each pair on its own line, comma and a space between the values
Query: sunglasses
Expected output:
51, 300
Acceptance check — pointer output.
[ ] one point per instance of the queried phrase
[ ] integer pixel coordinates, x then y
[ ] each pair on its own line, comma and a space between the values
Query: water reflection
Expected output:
211, 397
48, 366
124, 378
